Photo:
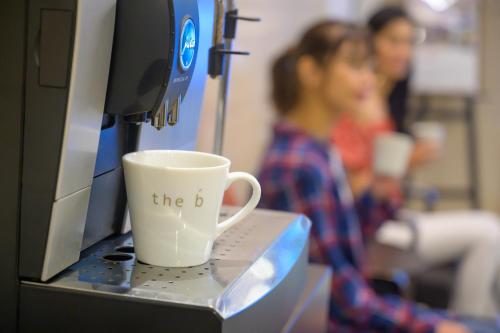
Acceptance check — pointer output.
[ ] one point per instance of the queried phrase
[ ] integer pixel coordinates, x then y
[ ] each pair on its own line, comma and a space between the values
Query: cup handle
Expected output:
249, 207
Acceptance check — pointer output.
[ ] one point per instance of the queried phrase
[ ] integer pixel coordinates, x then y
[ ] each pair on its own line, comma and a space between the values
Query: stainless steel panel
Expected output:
66, 233
89, 78
248, 261
184, 134
89, 73
311, 312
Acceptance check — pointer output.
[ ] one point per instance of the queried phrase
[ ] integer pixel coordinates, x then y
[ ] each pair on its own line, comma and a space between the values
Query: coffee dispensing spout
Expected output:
173, 115
159, 119
167, 114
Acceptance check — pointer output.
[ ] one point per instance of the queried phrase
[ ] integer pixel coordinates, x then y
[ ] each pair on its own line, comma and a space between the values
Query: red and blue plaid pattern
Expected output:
303, 175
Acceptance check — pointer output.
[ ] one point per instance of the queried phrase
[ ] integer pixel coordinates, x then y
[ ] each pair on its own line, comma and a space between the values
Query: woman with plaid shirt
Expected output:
328, 71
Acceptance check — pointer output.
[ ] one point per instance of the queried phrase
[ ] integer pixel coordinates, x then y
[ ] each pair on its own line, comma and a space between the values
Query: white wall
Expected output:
250, 113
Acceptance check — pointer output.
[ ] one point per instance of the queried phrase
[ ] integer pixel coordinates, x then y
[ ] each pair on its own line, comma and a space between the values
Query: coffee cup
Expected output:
392, 154
174, 198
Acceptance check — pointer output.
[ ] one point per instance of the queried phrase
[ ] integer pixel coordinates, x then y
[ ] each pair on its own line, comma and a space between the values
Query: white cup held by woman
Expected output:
392, 155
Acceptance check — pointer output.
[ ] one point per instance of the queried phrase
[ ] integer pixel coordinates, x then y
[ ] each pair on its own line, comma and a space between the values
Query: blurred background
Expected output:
454, 80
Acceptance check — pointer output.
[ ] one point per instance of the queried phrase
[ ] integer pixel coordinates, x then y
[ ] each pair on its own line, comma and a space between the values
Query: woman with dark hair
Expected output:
394, 50
472, 237
386, 109
326, 73
393, 39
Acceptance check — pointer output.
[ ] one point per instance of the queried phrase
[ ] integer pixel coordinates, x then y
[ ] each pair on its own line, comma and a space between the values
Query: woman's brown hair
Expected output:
321, 42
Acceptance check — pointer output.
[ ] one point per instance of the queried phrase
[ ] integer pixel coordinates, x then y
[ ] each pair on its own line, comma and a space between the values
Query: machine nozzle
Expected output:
173, 115
160, 118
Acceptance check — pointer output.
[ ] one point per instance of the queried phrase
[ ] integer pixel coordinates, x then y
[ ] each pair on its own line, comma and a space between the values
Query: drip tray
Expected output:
248, 262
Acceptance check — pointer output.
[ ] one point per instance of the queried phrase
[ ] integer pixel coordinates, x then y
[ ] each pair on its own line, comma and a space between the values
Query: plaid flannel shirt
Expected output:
303, 175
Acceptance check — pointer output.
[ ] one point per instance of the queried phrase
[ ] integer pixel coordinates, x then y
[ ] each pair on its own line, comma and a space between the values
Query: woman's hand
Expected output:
423, 153
451, 327
384, 188
360, 182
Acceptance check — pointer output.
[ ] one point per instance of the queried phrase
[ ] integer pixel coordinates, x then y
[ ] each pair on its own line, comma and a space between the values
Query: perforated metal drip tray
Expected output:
247, 262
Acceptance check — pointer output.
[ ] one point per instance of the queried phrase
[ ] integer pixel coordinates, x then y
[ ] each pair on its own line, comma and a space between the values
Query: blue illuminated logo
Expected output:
188, 44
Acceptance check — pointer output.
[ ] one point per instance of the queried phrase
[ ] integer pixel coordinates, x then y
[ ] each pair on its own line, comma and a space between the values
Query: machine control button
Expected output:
187, 47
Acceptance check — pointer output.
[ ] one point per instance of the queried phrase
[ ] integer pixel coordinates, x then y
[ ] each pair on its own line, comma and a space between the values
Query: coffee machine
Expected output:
85, 82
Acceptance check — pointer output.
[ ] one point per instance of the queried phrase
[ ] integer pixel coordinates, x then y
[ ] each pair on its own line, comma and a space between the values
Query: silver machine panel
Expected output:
89, 77
85, 107
66, 232
248, 262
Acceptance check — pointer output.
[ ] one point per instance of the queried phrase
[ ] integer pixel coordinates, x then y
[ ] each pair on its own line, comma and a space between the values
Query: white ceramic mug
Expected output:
174, 199
392, 154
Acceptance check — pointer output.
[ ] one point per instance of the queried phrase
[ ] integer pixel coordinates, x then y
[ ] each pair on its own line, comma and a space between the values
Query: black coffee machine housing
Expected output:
151, 67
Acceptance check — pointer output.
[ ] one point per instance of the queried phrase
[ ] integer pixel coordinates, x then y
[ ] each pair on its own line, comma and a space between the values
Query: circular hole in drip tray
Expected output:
125, 249
118, 257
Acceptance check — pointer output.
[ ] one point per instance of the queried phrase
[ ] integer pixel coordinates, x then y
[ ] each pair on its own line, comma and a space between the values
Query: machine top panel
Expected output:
247, 262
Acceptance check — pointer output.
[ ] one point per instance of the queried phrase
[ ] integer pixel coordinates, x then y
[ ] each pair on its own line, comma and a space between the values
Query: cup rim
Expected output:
129, 158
